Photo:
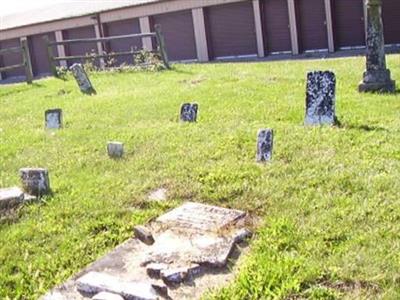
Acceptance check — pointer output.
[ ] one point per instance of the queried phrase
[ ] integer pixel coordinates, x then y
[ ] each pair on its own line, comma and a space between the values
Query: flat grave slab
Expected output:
192, 247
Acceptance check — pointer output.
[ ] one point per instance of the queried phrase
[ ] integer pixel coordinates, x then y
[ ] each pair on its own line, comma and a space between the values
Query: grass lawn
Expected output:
328, 205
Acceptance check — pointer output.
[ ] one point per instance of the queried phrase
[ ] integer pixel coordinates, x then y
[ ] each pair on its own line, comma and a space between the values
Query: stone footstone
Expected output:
189, 112
320, 99
158, 195
376, 78
35, 181
265, 140
115, 149
53, 118
11, 198
82, 79
95, 282
107, 296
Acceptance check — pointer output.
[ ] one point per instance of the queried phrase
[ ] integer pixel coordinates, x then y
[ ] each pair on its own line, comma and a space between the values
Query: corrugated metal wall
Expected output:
10, 59
38, 53
275, 19
123, 27
311, 25
178, 31
81, 48
348, 23
231, 30
391, 21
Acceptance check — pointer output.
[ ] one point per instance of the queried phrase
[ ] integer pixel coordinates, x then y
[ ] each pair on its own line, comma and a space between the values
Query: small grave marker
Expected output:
35, 181
53, 118
82, 79
189, 112
320, 99
115, 149
265, 141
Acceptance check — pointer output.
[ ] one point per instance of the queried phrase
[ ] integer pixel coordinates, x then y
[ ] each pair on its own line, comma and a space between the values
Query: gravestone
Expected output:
11, 197
200, 217
376, 78
115, 149
53, 118
35, 181
189, 112
265, 142
320, 98
82, 79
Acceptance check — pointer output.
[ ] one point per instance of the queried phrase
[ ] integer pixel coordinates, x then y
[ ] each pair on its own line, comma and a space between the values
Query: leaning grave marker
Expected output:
82, 79
320, 98
191, 244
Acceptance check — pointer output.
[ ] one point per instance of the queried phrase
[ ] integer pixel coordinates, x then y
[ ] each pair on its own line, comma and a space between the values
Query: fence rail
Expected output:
26, 61
157, 35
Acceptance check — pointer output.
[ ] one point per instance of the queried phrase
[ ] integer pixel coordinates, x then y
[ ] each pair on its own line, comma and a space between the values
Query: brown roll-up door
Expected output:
124, 27
79, 48
38, 53
231, 30
348, 23
311, 24
10, 59
275, 17
178, 32
391, 21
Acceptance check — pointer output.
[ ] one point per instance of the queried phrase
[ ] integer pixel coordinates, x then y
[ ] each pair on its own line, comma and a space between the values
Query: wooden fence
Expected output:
26, 61
157, 35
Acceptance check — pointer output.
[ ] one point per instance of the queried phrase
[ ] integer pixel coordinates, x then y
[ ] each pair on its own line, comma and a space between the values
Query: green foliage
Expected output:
328, 202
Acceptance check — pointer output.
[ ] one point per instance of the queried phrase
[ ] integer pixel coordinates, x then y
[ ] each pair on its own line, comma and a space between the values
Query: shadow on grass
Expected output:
22, 89
363, 127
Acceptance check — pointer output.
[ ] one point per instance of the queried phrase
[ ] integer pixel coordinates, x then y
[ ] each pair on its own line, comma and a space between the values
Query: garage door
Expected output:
231, 30
178, 32
275, 16
348, 20
122, 28
391, 21
311, 25
10, 59
38, 52
79, 48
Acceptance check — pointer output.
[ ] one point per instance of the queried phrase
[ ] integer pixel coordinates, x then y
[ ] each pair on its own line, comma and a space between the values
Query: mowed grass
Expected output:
327, 206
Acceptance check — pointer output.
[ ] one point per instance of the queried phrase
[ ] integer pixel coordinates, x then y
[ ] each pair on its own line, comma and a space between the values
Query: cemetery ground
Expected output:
326, 209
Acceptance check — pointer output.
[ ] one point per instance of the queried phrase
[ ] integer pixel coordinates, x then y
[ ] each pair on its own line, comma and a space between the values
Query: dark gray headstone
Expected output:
53, 118
376, 78
115, 149
82, 79
320, 98
35, 181
189, 112
265, 142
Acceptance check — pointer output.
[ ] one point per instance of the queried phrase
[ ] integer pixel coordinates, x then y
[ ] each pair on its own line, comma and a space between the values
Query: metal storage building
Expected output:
196, 30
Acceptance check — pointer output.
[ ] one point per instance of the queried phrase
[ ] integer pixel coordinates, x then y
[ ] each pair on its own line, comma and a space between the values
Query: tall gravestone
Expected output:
82, 79
265, 139
376, 78
320, 98
189, 112
53, 118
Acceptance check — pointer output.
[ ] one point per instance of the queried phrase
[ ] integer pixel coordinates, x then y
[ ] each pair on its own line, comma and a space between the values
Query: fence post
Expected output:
50, 56
161, 45
26, 60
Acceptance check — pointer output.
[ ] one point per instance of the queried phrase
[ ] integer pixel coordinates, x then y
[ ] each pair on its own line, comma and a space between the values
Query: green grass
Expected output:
328, 205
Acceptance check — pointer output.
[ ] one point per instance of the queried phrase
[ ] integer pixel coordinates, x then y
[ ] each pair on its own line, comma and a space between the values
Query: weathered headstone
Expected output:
115, 149
11, 197
376, 78
189, 112
53, 118
320, 98
35, 181
82, 79
265, 143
